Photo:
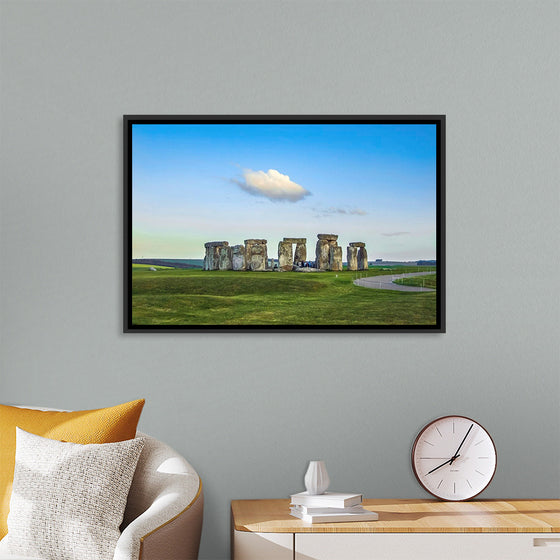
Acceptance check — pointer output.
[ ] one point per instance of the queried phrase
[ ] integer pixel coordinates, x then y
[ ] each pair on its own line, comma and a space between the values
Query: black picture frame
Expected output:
435, 322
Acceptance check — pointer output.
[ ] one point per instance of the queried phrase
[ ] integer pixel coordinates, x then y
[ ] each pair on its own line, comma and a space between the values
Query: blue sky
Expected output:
194, 183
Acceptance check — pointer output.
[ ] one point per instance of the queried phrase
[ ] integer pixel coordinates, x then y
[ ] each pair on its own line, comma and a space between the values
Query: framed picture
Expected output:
284, 223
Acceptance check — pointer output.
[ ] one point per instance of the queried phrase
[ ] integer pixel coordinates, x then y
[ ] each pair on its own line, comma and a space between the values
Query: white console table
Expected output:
406, 529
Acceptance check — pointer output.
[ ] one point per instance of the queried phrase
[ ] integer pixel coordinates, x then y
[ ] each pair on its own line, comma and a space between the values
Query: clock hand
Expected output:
460, 445
439, 466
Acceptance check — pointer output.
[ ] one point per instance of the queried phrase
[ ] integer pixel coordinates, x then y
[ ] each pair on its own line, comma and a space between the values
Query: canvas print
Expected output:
274, 223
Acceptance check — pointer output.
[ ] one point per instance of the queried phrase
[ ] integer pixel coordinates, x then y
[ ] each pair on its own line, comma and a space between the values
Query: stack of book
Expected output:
330, 507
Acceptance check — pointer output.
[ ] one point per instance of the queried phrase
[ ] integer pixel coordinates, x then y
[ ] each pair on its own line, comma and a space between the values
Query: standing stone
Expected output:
259, 258
285, 258
352, 257
208, 257
212, 256
248, 247
265, 255
300, 254
238, 257
249, 243
362, 259
322, 254
255, 254
335, 258
225, 258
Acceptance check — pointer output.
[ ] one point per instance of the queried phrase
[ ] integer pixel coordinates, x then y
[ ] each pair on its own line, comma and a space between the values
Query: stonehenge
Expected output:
253, 255
300, 254
352, 257
362, 259
356, 255
238, 257
287, 257
335, 258
225, 258
256, 257
328, 254
322, 254
212, 256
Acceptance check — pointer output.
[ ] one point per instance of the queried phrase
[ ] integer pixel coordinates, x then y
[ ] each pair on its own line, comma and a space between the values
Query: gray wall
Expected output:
70, 70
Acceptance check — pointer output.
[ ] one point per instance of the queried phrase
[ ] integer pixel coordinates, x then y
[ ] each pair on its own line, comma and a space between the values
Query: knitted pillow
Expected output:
68, 499
103, 425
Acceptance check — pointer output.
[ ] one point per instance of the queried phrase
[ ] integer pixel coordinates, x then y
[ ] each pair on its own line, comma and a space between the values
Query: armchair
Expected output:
163, 516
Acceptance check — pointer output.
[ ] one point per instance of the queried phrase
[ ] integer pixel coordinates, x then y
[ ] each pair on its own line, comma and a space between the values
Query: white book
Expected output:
311, 510
328, 499
364, 515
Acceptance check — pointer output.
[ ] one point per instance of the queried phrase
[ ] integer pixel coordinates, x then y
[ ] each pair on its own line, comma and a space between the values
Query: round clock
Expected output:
454, 458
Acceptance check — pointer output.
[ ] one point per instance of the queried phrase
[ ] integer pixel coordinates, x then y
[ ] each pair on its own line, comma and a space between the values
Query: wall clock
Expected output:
454, 458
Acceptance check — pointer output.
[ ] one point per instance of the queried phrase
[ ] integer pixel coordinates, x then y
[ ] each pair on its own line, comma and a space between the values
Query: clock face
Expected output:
454, 458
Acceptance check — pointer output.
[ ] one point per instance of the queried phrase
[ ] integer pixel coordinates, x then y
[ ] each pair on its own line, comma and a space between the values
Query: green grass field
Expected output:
428, 281
193, 297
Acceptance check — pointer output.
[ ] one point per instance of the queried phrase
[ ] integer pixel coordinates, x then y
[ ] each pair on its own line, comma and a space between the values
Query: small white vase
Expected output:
316, 478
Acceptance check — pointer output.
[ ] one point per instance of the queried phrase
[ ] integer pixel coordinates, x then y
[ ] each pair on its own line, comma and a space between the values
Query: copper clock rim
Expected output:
414, 449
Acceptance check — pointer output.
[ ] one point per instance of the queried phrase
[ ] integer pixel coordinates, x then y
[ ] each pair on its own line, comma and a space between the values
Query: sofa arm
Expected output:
161, 532
163, 516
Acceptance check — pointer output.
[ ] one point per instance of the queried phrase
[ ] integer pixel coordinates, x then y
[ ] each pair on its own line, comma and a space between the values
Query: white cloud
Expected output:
271, 184
396, 233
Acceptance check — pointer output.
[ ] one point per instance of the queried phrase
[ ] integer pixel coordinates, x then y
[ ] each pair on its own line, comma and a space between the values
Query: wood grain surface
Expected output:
409, 516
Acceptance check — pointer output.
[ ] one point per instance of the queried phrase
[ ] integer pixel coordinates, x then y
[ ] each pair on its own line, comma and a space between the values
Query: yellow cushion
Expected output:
104, 425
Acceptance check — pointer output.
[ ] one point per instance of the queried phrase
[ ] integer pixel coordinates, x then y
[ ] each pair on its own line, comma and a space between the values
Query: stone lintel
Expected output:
256, 241
357, 244
295, 239
216, 243
327, 236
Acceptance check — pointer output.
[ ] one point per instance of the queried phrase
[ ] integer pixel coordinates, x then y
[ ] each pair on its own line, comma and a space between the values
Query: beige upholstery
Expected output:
163, 516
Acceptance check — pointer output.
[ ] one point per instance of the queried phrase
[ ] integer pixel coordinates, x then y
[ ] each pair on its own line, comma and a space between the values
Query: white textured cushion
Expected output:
10, 557
68, 499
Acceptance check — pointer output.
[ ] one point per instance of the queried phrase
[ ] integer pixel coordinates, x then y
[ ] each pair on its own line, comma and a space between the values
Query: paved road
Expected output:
386, 282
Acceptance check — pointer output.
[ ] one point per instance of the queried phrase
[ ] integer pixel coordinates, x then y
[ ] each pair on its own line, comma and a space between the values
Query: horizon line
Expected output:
273, 258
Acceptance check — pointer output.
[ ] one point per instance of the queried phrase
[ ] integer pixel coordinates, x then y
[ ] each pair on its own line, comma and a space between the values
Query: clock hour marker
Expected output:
453, 427
476, 470
478, 443
483, 457
438, 432
429, 443
468, 483
454, 489
440, 483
